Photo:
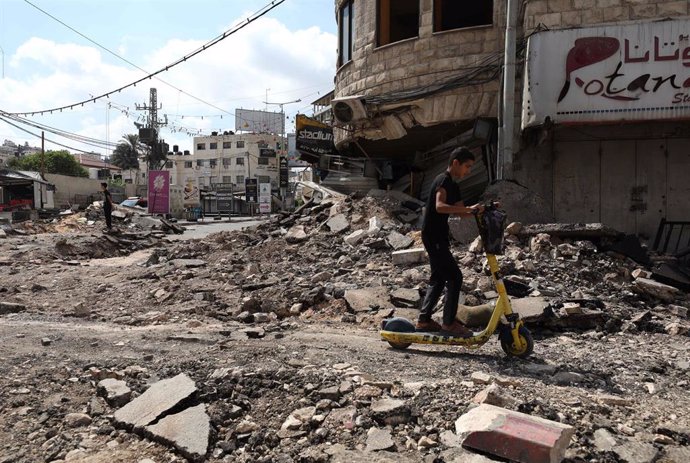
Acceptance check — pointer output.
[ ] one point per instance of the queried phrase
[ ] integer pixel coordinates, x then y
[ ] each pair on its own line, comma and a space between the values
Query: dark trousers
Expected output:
108, 211
444, 272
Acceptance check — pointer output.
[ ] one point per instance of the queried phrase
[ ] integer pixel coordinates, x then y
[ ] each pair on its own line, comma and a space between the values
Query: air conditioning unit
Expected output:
349, 109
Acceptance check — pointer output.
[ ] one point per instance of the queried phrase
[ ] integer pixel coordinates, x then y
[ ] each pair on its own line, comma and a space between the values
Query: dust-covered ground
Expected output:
266, 325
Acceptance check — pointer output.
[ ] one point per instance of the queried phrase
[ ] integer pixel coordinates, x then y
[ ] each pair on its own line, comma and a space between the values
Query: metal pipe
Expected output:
506, 131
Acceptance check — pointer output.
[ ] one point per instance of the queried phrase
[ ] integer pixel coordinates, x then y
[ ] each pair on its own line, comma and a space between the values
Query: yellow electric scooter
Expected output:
515, 338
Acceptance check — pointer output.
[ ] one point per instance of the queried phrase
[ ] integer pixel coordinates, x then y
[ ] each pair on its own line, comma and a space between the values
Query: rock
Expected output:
514, 228
399, 241
603, 440
426, 443
74, 420
321, 276
338, 223
409, 256
355, 237
246, 427
512, 435
296, 234
567, 250
408, 298
460, 455
531, 309
11, 307
636, 452
188, 431
494, 395
540, 244
678, 310
375, 226
362, 300
158, 399
479, 377
250, 304
379, 439
476, 246
188, 263
331, 393
614, 400
46, 341
565, 378
655, 289
676, 455
391, 411
115, 392
81, 310
677, 329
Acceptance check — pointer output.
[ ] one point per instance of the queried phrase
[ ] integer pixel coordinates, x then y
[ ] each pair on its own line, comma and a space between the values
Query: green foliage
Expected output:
127, 152
56, 162
116, 182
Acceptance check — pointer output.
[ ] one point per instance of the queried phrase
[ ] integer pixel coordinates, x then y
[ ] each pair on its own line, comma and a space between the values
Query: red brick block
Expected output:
512, 435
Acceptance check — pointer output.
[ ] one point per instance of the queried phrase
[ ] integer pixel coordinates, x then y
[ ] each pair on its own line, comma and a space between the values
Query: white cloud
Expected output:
235, 73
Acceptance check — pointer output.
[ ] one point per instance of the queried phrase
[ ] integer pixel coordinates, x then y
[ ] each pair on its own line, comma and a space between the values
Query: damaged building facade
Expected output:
417, 77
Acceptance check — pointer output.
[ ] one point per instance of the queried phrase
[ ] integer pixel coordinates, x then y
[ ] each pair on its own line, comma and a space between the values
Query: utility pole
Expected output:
41, 186
283, 141
506, 130
150, 133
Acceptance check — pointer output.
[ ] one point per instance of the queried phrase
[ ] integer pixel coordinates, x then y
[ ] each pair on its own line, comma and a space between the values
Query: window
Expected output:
213, 162
227, 179
239, 161
226, 162
346, 32
451, 14
200, 146
240, 179
399, 20
213, 146
263, 161
200, 163
227, 145
188, 164
240, 144
168, 164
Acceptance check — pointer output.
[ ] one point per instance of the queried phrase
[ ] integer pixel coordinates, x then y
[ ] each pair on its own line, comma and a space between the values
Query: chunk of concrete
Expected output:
296, 235
375, 226
512, 435
409, 256
399, 241
655, 289
188, 431
355, 237
391, 411
379, 439
361, 300
404, 297
338, 223
115, 391
531, 309
158, 399
188, 263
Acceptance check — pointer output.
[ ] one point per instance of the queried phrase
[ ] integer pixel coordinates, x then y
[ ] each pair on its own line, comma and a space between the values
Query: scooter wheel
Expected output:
511, 350
399, 345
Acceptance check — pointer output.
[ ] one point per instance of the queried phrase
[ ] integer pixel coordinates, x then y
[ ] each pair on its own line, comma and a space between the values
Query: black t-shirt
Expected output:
106, 200
435, 226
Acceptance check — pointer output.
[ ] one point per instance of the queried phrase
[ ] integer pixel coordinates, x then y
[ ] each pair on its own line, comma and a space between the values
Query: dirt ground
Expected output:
86, 318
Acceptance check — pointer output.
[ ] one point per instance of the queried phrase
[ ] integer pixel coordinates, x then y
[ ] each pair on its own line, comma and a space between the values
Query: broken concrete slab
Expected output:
11, 307
460, 455
296, 235
375, 225
391, 411
531, 309
409, 256
379, 439
407, 298
188, 263
636, 452
338, 223
399, 241
570, 230
362, 300
188, 431
158, 399
114, 391
355, 237
512, 435
655, 289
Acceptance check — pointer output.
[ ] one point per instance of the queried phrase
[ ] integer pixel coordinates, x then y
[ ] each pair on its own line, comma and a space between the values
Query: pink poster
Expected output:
159, 192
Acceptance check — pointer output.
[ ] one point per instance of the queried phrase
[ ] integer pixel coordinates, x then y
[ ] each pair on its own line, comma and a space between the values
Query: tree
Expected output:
127, 152
56, 162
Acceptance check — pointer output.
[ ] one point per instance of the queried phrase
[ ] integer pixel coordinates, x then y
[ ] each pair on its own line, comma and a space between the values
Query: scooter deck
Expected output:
421, 337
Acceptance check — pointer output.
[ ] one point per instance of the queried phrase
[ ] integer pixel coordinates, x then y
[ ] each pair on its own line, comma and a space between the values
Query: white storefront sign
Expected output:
264, 198
610, 73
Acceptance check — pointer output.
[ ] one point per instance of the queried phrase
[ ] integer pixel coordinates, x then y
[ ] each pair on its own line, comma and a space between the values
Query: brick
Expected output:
571, 18
514, 436
549, 20
558, 6
608, 3
616, 13
537, 7
582, 4
592, 16
409, 256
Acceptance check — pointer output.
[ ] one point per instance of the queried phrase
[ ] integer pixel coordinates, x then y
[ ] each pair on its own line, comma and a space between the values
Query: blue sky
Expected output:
291, 52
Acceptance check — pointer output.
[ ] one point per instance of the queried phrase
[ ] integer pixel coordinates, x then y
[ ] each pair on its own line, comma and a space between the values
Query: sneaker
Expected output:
430, 326
457, 329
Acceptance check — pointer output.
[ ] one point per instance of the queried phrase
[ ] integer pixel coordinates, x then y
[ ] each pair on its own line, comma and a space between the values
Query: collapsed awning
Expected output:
14, 177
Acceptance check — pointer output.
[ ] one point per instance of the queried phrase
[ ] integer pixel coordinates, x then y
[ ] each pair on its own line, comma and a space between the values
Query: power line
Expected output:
263, 11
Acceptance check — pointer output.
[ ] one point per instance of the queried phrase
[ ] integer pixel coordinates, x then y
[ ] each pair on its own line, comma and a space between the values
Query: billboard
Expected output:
251, 190
313, 138
283, 168
265, 198
637, 71
249, 120
159, 192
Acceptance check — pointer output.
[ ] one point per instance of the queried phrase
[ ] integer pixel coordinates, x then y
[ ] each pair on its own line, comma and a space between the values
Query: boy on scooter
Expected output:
443, 201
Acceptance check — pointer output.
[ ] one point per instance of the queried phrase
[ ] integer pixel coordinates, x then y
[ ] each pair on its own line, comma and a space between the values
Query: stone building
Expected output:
417, 77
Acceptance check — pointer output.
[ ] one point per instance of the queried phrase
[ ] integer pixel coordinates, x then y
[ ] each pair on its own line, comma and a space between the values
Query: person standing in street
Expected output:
107, 206
444, 200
